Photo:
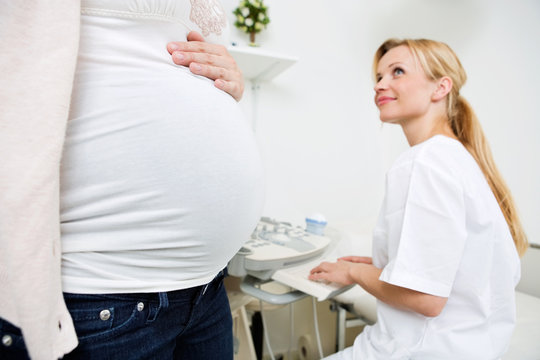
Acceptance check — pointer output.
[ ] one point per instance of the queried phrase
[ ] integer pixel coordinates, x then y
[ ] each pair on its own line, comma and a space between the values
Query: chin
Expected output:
389, 120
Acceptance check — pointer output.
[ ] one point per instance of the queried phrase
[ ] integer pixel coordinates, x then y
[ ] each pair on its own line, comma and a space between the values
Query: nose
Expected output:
380, 85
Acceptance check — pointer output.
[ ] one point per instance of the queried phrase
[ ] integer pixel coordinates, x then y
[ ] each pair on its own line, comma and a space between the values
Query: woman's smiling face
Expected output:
403, 92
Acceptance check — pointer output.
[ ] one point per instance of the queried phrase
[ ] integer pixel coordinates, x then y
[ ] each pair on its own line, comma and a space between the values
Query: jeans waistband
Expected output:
172, 295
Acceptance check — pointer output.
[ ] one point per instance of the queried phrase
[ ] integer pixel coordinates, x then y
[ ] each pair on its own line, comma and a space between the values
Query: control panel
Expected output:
276, 245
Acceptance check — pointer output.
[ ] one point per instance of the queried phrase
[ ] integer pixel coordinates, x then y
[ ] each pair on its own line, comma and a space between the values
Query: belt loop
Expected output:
205, 288
163, 300
153, 310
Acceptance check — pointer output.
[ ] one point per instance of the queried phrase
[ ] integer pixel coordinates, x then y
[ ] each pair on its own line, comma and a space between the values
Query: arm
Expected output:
209, 60
34, 106
360, 270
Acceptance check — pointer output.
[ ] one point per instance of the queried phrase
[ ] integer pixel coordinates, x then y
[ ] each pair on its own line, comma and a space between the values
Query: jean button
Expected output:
7, 340
105, 315
140, 306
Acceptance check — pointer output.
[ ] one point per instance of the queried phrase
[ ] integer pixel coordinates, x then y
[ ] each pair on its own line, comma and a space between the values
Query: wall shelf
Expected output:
258, 64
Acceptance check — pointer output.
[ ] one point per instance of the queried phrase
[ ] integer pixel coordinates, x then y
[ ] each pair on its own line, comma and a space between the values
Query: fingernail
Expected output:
173, 46
178, 56
196, 67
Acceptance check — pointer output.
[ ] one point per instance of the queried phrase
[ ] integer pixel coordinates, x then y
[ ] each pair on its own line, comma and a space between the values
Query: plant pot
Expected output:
252, 39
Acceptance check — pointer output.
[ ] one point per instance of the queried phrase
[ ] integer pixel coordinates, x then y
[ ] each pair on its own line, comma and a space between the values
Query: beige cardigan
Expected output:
38, 42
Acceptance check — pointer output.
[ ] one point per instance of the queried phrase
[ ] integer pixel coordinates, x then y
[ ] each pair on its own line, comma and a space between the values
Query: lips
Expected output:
384, 100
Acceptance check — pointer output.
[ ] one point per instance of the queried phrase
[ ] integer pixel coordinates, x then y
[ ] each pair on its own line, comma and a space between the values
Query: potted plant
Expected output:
251, 18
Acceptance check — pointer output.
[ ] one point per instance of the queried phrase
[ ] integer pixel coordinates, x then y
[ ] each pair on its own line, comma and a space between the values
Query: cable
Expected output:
317, 335
266, 339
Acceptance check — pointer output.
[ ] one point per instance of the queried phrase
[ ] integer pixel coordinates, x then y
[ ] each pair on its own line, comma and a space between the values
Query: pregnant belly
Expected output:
163, 161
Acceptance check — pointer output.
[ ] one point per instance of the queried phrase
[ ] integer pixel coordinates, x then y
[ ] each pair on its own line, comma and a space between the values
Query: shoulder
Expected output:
439, 161
440, 154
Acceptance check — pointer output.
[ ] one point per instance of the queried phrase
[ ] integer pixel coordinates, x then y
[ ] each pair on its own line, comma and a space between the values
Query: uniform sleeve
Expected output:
428, 245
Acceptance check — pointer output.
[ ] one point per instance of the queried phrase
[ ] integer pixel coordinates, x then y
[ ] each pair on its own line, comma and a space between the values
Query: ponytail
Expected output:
466, 127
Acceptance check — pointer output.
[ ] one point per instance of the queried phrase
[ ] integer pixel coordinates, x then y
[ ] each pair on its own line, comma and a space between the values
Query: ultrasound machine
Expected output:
279, 251
276, 245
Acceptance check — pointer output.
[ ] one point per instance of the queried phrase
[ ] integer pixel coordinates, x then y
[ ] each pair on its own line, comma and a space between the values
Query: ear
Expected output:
444, 86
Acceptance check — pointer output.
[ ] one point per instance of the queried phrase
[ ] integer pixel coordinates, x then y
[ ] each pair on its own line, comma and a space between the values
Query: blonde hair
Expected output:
437, 60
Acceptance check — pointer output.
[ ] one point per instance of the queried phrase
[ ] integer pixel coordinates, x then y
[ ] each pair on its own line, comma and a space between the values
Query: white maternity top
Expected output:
441, 232
161, 177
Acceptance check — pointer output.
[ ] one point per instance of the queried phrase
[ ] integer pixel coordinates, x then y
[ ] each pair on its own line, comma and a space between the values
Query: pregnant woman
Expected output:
160, 184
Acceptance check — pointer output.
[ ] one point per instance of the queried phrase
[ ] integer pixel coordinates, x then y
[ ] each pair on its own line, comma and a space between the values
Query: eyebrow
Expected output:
395, 63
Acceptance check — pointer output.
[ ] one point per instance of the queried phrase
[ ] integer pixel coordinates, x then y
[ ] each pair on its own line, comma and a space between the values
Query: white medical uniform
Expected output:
441, 232
162, 180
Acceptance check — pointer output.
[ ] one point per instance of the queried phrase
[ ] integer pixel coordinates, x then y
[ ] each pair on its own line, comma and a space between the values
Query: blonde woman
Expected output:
447, 243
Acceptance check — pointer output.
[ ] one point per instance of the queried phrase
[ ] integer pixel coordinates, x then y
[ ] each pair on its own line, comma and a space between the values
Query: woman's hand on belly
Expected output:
210, 60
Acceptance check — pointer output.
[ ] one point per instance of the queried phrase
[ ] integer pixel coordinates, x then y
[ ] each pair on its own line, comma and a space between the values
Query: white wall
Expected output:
529, 279
322, 143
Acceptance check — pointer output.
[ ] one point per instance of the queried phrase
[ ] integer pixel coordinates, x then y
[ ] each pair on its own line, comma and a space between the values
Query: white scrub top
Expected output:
441, 232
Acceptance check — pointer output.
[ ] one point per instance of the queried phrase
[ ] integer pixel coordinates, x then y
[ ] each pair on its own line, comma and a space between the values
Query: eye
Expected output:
398, 71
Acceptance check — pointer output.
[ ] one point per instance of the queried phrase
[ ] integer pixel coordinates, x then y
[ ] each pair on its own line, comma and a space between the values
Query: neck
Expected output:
419, 130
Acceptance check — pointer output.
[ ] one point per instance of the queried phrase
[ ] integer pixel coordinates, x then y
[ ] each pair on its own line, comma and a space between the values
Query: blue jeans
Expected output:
185, 324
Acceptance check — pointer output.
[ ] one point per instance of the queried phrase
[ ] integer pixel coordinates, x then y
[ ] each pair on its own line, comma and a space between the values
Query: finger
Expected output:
316, 269
367, 260
320, 276
211, 72
357, 259
186, 58
234, 88
196, 47
323, 267
195, 36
